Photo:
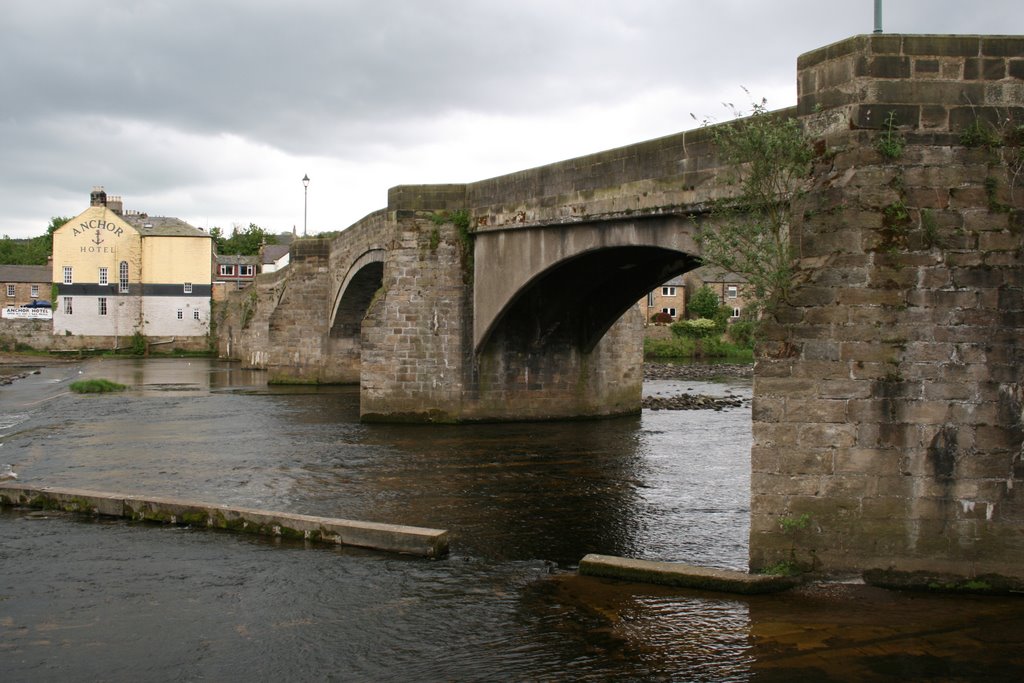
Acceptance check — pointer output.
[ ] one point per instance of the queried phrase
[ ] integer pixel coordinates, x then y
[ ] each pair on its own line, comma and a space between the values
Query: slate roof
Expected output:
163, 226
272, 252
37, 274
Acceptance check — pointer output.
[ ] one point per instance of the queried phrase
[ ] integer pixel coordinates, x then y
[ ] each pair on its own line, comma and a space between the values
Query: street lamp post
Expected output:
305, 201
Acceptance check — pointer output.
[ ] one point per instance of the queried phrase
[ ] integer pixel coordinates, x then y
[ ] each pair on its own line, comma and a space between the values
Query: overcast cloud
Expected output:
212, 110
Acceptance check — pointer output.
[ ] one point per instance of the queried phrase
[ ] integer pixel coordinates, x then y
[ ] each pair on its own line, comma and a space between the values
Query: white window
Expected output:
68, 278
731, 292
35, 291
195, 314
67, 306
650, 299
245, 271
735, 312
122, 285
670, 311
181, 314
104, 279
226, 270
188, 287
10, 290
668, 291
102, 305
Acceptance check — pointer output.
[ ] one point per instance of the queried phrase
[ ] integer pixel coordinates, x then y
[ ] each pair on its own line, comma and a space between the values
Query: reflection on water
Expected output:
523, 503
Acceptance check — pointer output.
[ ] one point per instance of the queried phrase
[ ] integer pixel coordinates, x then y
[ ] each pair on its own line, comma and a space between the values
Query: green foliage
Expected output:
890, 144
704, 303
95, 386
435, 238
792, 524
33, 251
701, 328
980, 133
242, 242
138, 346
685, 348
742, 333
769, 157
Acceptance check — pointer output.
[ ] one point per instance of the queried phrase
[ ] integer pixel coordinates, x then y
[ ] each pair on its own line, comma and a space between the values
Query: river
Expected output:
115, 600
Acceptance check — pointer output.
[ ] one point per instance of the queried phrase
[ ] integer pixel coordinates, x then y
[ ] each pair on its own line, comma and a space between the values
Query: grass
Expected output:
96, 386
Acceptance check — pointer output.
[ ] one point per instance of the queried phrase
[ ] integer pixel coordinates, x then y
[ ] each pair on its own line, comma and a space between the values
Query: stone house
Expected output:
728, 286
669, 298
25, 284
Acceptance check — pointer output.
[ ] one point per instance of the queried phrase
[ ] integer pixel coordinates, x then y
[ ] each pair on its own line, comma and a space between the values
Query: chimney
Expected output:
115, 204
97, 197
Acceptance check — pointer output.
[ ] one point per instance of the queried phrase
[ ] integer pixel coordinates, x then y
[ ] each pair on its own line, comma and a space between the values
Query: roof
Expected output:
235, 259
162, 226
272, 252
716, 274
26, 273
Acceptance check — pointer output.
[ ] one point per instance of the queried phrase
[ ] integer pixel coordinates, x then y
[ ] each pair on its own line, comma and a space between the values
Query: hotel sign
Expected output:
22, 313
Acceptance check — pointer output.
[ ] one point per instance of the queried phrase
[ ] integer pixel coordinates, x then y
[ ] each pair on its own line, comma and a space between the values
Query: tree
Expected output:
704, 303
768, 157
33, 251
242, 242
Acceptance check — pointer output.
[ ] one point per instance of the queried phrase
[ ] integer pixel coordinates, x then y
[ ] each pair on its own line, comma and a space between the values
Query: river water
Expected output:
115, 600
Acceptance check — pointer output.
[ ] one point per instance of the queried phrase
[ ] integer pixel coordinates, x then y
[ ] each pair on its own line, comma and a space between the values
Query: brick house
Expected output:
25, 284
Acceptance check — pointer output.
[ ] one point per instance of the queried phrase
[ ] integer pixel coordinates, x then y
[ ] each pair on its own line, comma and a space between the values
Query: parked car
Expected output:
37, 304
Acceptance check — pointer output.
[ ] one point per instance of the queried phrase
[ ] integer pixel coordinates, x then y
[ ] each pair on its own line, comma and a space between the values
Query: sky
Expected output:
212, 111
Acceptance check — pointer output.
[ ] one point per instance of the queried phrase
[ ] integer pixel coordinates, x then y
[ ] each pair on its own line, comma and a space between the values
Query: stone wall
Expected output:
887, 400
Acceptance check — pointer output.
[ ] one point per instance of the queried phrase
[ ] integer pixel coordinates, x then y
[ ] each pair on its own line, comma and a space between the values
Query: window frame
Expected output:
11, 290
668, 290
104, 276
226, 270
246, 270
101, 305
188, 288
122, 277
69, 275
69, 308
732, 292
34, 291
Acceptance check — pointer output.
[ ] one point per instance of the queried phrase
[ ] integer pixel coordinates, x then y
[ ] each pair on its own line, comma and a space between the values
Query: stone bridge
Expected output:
887, 395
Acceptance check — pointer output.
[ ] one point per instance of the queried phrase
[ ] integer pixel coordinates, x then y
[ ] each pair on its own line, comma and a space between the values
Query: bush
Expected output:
742, 333
704, 303
661, 317
700, 328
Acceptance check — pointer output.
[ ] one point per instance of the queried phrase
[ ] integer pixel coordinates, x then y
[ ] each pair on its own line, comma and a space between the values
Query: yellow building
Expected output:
118, 275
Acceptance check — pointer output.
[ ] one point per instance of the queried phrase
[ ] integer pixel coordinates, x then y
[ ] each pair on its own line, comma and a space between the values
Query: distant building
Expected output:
274, 257
120, 273
669, 298
730, 287
25, 284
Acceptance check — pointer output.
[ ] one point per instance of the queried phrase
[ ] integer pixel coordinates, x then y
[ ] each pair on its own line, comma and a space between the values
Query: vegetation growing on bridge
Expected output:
769, 159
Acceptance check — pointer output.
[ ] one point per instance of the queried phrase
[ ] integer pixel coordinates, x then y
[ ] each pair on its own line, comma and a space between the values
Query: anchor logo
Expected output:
97, 239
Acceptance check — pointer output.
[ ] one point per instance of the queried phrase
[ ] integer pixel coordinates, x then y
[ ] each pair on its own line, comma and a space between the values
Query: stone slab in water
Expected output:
683, 575
390, 537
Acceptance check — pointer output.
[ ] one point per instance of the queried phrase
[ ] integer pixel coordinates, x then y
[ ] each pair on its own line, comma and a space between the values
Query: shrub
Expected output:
701, 328
661, 317
742, 333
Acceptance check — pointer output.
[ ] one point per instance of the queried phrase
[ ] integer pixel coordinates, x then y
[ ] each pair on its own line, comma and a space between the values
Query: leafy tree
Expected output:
33, 251
704, 303
769, 159
242, 242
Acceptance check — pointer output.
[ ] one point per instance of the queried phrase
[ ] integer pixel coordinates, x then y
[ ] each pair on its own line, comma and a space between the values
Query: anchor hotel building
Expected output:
118, 274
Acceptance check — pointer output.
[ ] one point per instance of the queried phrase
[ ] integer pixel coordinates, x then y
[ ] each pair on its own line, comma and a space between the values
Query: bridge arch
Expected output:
362, 280
580, 279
